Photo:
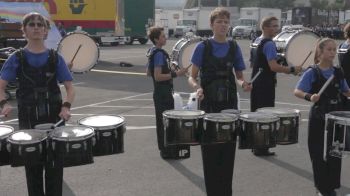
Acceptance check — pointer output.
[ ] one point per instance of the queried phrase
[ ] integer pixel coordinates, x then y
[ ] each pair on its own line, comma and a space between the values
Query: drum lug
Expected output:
0, 146
217, 126
8, 146
115, 133
40, 148
85, 145
205, 125
165, 122
67, 147
53, 145
180, 122
196, 123
20, 150
93, 141
124, 129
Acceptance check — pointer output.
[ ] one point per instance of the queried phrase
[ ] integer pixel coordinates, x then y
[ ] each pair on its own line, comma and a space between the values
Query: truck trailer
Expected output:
108, 21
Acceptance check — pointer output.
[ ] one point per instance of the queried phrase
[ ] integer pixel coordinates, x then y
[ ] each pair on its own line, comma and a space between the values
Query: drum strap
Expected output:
344, 61
165, 68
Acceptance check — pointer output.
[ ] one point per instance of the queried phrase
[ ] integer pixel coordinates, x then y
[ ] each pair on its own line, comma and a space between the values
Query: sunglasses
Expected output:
33, 24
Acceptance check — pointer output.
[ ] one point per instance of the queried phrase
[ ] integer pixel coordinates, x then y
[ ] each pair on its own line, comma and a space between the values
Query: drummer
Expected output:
326, 173
264, 57
216, 59
162, 77
38, 70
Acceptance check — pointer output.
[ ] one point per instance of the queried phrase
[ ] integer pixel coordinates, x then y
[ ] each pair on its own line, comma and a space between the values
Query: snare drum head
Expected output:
84, 49
258, 117
231, 111
72, 132
184, 114
5, 131
280, 112
101, 121
183, 50
340, 115
299, 46
221, 117
27, 136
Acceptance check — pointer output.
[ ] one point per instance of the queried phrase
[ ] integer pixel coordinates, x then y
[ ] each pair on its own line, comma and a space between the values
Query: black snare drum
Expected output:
337, 142
289, 124
5, 131
182, 127
219, 128
27, 147
258, 130
72, 145
109, 132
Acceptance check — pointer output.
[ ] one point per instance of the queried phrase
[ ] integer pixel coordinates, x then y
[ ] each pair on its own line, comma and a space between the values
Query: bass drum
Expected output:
294, 46
80, 50
183, 49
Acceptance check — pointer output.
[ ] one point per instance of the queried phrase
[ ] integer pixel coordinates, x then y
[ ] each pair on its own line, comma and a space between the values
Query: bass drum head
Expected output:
82, 48
183, 50
299, 47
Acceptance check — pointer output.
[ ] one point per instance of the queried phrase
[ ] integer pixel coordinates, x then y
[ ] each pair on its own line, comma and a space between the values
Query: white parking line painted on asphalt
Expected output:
119, 72
120, 106
124, 115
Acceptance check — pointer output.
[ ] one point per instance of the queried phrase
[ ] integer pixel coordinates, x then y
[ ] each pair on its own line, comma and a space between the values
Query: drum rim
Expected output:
103, 128
86, 34
187, 40
346, 121
36, 141
273, 119
234, 117
6, 135
269, 110
68, 139
199, 116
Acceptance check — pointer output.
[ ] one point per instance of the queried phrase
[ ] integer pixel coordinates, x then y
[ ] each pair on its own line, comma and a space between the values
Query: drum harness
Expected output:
165, 69
38, 87
332, 97
344, 61
216, 75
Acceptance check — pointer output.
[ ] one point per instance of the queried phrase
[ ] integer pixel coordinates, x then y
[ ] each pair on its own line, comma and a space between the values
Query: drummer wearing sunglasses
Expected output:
264, 57
38, 71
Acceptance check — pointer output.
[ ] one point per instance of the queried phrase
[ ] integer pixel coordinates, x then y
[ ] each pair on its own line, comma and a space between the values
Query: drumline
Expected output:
68, 146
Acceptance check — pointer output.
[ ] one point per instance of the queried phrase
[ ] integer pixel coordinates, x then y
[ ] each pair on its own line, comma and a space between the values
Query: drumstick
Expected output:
188, 66
58, 123
76, 53
306, 58
325, 85
256, 75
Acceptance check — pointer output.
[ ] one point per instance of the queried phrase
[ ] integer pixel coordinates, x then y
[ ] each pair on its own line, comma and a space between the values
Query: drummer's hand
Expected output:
298, 69
181, 71
70, 65
65, 113
200, 94
246, 86
314, 98
6, 110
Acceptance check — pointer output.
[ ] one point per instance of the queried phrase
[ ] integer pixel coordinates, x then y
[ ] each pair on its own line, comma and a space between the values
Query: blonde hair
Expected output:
321, 43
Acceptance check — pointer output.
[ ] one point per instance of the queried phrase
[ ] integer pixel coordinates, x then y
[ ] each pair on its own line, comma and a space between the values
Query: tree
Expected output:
319, 4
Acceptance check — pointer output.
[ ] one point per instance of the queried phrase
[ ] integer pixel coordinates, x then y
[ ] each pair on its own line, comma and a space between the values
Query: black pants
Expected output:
34, 174
218, 159
163, 100
218, 164
53, 180
326, 173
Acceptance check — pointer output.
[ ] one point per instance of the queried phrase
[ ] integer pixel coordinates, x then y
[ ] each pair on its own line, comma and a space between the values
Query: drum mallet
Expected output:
256, 76
58, 123
76, 53
307, 57
325, 85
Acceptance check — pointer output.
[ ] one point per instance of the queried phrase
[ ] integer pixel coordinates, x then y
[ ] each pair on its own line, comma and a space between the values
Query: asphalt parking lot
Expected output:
139, 171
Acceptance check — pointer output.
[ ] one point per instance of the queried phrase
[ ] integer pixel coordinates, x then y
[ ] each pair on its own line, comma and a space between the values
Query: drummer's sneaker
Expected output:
263, 152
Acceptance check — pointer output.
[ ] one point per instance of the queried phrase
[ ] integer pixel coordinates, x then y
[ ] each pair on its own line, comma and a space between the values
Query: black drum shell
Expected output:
109, 141
214, 133
182, 131
252, 135
288, 133
67, 154
4, 154
20, 156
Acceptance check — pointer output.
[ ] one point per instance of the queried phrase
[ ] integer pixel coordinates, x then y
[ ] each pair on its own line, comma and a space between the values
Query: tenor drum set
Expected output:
264, 128
67, 146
